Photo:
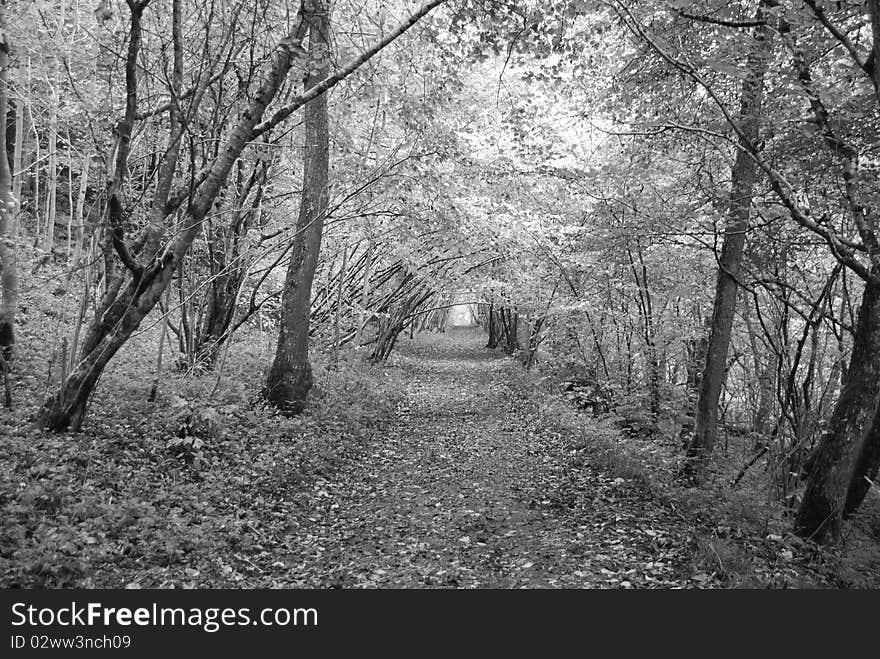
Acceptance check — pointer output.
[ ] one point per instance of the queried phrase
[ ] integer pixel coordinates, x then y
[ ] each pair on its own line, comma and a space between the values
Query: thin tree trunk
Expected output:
81, 313
51, 182
69, 252
396, 322
154, 390
338, 318
743, 180
765, 373
491, 328
37, 161
8, 272
79, 212
649, 333
17, 164
365, 295
534, 341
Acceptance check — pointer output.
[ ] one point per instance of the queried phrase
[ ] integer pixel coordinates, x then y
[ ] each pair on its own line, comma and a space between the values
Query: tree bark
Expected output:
226, 277
339, 297
17, 163
78, 222
743, 180
52, 180
492, 328
290, 377
363, 316
866, 468
512, 326
8, 271
396, 321
833, 485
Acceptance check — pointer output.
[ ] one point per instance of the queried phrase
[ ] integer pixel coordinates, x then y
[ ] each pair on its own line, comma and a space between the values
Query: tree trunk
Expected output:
226, 276
17, 163
511, 331
866, 468
391, 327
363, 316
290, 377
846, 452
52, 181
339, 297
78, 222
765, 377
8, 273
534, 342
132, 299
228, 269
743, 179
495, 332
492, 328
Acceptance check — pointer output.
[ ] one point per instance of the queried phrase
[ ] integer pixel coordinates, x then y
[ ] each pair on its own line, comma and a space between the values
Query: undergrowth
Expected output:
176, 492
744, 534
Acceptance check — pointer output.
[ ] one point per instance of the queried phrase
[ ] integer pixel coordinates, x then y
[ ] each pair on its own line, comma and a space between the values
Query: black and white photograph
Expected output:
322, 295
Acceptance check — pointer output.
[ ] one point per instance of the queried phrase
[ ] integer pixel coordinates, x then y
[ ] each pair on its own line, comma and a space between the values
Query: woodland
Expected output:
447, 293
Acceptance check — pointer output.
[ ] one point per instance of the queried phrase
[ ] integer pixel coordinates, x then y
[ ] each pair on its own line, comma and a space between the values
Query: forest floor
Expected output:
448, 466
468, 488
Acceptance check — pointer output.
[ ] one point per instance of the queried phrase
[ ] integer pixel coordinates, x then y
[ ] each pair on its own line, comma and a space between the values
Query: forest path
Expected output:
464, 490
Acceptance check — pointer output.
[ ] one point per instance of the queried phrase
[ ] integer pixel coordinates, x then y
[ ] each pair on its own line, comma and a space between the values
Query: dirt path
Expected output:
464, 491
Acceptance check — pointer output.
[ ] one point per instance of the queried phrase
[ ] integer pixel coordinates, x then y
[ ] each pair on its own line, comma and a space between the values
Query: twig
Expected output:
748, 465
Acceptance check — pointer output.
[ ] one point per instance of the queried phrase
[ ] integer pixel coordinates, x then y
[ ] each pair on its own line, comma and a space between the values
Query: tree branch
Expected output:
720, 21
838, 34
313, 92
